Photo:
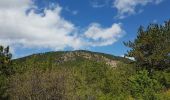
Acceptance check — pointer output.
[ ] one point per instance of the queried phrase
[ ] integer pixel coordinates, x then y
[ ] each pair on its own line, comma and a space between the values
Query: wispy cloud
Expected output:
99, 3
124, 8
74, 12
129, 7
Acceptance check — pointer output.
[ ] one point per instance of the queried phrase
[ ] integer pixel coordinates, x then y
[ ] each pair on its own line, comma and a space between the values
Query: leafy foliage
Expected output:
142, 86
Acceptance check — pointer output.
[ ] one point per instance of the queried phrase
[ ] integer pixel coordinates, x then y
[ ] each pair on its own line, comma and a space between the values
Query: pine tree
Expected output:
151, 48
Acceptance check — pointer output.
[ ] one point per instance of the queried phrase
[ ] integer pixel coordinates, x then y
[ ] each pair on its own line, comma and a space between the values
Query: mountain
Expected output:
67, 58
70, 75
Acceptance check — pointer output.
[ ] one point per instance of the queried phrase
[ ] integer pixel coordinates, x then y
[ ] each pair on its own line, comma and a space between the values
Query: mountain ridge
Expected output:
68, 58
109, 56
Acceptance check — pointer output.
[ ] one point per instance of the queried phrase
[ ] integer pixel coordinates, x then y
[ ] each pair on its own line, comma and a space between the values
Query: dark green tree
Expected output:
5, 71
151, 48
5, 61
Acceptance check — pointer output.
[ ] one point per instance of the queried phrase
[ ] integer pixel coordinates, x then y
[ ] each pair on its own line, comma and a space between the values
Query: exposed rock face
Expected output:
71, 56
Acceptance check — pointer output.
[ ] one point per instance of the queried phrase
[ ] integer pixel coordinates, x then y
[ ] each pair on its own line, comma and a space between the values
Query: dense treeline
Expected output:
90, 81
42, 78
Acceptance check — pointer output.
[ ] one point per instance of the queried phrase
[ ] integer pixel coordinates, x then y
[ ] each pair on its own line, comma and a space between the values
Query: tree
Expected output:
5, 61
5, 71
151, 48
143, 86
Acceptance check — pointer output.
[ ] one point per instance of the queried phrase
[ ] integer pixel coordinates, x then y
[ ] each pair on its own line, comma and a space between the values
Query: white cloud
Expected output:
33, 30
14, 4
103, 36
128, 7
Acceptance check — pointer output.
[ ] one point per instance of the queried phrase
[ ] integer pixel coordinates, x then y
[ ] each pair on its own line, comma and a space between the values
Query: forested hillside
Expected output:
67, 58
85, 75
71, 75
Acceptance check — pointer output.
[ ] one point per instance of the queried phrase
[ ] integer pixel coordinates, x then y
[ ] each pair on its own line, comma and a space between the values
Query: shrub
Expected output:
38, 84
143, 86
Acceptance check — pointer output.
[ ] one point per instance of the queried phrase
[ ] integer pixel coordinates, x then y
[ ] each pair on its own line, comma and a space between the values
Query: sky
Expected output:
36, 26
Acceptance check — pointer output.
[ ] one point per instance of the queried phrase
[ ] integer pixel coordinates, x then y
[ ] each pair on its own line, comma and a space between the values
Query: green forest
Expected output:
86, 75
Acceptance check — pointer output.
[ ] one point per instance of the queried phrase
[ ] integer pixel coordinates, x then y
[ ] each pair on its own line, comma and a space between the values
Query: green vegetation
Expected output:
5, 70
151, 50
143, 86
85, 75
84, 78
89, 80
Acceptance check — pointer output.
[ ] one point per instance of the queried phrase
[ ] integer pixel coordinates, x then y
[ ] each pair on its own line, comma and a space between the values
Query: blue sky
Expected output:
97, 25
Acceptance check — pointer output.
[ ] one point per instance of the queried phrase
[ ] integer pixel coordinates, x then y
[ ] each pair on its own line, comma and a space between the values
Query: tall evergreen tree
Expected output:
151, 48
